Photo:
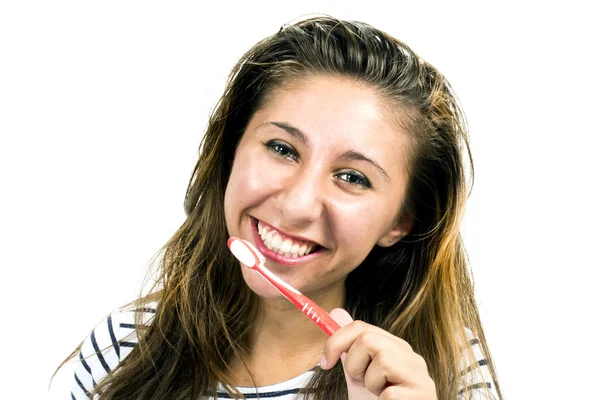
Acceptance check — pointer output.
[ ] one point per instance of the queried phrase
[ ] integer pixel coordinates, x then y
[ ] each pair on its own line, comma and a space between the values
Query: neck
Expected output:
280, 322
283, 341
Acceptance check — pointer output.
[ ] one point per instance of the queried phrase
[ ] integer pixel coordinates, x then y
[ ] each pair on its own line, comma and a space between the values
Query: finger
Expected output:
396, 392
384, 371
364, 350
343, 318
396, 368
356, 390
341, 340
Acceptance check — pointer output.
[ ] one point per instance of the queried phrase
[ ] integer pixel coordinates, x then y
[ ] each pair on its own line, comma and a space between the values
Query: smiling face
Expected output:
317, 181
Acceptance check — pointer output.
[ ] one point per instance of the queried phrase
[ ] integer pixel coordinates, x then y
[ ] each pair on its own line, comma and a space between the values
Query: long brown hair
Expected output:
420, 289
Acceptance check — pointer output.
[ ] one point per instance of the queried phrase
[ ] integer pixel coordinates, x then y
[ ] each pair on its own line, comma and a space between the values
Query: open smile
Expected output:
281, 247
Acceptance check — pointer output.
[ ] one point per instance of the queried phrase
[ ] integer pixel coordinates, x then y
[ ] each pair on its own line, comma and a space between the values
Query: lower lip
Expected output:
279, 258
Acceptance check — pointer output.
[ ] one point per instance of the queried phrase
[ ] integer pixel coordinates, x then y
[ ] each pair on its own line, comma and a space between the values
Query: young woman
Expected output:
342, 156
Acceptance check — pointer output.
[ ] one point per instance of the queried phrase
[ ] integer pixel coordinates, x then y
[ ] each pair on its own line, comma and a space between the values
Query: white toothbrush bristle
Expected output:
261, 258
248, 254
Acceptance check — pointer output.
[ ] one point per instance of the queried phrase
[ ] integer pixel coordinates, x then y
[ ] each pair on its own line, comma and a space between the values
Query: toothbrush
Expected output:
248, 255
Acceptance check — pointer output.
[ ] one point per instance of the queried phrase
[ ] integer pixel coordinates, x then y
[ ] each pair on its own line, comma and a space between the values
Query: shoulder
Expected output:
105, 347
129, 320
476, 379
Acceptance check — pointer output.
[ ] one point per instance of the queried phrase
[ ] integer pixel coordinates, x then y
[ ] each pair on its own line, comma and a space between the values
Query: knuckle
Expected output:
420, 360
388, 361
365, 338
422, 365
359, 325
356, 375
431, 384
388, 394
407, 346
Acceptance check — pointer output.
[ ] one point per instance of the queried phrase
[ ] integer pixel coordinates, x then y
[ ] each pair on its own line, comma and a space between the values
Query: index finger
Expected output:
341, 341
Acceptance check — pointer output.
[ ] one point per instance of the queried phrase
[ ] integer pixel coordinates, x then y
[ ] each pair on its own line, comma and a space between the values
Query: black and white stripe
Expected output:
476, 380
102, 350
113, 339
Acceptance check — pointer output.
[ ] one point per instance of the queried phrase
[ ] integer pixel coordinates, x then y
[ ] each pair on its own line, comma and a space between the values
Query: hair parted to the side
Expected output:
420, 289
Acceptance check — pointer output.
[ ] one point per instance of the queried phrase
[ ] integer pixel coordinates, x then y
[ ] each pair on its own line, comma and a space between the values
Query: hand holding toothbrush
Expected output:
377, 364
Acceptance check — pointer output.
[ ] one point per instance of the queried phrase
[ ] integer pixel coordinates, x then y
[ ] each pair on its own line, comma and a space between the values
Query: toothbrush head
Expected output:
246, 253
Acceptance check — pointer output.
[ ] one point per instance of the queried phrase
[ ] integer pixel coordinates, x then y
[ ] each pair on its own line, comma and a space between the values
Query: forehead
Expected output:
338, 112
328, 105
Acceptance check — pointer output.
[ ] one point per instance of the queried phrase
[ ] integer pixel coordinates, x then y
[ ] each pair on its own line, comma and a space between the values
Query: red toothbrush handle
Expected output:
318, 315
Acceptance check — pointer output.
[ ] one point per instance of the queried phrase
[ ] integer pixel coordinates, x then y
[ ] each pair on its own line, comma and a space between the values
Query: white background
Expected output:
103, 105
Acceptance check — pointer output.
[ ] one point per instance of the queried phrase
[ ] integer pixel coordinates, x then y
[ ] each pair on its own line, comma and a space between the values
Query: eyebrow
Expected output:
348, 156
292, 130
353, 155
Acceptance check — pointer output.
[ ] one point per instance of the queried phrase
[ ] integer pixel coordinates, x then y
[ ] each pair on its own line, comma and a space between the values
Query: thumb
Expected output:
356, 390
341, 316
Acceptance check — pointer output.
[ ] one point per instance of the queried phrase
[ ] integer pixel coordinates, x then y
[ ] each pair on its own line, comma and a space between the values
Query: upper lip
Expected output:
263, 223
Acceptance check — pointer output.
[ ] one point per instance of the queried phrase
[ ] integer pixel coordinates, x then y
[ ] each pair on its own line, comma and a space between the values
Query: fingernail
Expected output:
323, 363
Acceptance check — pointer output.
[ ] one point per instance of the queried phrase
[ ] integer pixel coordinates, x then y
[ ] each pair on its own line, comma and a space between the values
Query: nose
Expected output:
301, 199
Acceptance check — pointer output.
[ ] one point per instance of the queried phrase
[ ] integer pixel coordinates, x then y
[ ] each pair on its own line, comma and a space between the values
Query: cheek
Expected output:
235, 193
360, 224
251, 180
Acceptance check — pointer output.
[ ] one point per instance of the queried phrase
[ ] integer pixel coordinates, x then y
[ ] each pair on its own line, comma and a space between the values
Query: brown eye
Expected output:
355, 178
281, 149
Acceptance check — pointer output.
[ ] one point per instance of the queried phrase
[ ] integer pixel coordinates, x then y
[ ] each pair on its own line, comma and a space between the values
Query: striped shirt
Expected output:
114, 338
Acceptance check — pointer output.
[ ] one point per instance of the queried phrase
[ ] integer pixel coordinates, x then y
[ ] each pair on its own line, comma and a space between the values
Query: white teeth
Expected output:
276, 241
269, 239
302, 250
286, 245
